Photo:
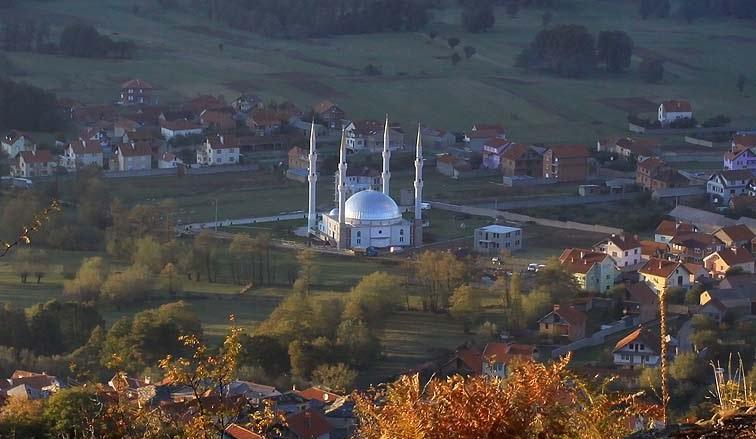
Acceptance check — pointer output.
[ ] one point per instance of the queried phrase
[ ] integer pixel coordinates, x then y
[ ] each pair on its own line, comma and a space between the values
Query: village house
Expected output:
466, 361
653, 249
593, 271
627, 147
179, 127
737, 301
563, 321
219, 150
308, 424
566, 163
736, 236
721, 262
299, 158
36, 163
653, 173
743, 141
713, 309
246, 103
367, 135
135, 91
641, 301
522, 160
698, 273
217, 120
82, 153
15, 142
331, 114
169, 160
265, 122
236, 431
672, 110
32, 385
492, 150
197, 105
134, 156
639, 348
740, 158
481, 133
662, 275
498, 357
357, 180
724, 185
624, 249
495, 239
452, 166
435, 138
693, 246
668, 229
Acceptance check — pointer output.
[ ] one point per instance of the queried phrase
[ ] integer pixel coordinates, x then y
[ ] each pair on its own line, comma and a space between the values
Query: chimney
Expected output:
582, 254
613, 235
556, 307
660, 264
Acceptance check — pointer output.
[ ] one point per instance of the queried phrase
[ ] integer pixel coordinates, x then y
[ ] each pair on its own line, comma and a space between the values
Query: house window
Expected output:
401, 239
358, 241
401, 232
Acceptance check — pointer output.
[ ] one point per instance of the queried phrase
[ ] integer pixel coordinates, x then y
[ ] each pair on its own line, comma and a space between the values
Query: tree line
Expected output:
690, 10
26, 107
76, 40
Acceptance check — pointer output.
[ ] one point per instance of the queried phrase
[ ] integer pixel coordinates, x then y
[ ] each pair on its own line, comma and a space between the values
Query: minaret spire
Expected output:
312, 177
386, 176
342, 189
418, 236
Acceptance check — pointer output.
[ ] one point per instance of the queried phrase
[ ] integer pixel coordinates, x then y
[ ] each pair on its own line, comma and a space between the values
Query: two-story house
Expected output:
653, 173
495, 238
593, 271
217, 120
246, 103
357, 180
739, 158
721, 262
566, 163
694, 246
662, 275
627, 147
266, 122
492, 150
436, 138
481, 133
499, 357
672, 110
736, 236
134, 156
135, 91
331, 114
308, 424
725, 185
638, 349
624, 249
169, 160
15, 142
219, 150
522, 160
564, 321
640, 300
35, 163
367, 135
452, 166
82, 153
668, 229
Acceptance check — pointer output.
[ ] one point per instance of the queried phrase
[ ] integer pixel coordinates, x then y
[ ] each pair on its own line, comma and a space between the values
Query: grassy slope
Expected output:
181, 56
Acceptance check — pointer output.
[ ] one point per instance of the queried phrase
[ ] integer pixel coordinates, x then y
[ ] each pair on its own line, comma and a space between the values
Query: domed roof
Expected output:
334, 212
370, 205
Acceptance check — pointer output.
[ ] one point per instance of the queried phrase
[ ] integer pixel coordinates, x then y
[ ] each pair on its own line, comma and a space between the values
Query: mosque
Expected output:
369, 218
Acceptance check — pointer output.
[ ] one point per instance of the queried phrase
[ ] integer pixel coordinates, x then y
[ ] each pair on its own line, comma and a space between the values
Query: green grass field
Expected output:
181, 56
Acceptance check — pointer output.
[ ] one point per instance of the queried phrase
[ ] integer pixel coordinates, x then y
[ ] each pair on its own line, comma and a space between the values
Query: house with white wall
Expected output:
15, 142
219, 150
726, 185
624, 249
134, 156
82, 153
672, 110
641, 348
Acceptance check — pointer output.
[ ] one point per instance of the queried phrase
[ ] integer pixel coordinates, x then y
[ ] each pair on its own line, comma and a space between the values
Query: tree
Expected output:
22, 418
615, 50
205, 247
374, 296
688, 367
170, 280
290, 320
358, 342
438, 273
338, 377
87, 284
307, 269
465, 302
567, 50
741, 83
528, 404
149, 254
60, 327
73, 412
264, 352
453, 42
14, 330
128, 286
652, 70
536, 305
478, 17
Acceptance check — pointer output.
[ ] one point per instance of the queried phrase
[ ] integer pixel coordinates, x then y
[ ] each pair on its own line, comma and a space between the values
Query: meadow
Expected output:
183, 57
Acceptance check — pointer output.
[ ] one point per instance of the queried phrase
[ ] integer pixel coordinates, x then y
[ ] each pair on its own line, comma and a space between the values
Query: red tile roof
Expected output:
624, 241
235, 431
82, 146
660, 267
308, 424
579, 260
320, 394
223, 142
738, 232
488, 127
671, 228
651, 248
135, 149
515, 151
735, 256
676, 106
471, 358
137, 83
180, 125
745, 140
641, 293
739, 174
569, 151
38, 156
503, 352
650, 164
641, 335
324, 106
570, 315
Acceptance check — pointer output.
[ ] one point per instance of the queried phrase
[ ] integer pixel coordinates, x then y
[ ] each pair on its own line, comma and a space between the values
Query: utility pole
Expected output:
216, 214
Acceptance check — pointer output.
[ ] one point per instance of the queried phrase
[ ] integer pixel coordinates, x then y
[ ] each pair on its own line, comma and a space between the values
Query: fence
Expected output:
596, 338
666, 131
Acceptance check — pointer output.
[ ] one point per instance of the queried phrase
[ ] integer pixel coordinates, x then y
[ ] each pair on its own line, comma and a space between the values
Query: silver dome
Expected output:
370, 205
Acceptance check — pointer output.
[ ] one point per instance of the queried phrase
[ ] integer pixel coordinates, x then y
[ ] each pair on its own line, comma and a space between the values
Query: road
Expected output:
555, 201
196, 227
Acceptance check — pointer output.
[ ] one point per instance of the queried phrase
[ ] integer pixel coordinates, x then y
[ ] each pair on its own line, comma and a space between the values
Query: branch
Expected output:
27, 230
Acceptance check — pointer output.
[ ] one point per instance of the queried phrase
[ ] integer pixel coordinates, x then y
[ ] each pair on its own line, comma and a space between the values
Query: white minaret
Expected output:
312, 177
418, 190
342, 191
386, 176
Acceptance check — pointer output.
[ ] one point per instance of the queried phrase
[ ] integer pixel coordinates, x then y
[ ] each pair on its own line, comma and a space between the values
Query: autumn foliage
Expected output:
536, 401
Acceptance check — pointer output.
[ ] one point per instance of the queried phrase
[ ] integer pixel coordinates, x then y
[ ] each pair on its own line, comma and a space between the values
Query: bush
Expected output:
719, 120
651, 70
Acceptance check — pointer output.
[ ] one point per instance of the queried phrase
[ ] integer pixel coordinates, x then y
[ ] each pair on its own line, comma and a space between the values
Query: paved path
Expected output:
196, 227
555, 201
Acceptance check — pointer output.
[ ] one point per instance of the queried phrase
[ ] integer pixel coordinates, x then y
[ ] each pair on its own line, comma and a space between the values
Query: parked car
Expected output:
496, 260
533, 267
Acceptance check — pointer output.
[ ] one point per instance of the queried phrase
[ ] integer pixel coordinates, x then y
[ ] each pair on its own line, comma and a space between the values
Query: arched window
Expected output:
401, 231
359, 234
